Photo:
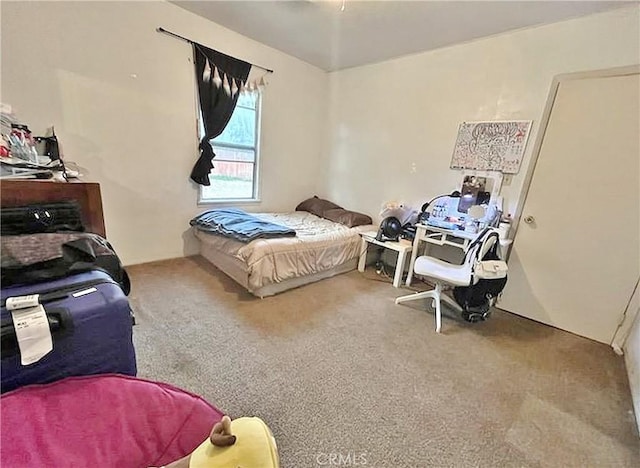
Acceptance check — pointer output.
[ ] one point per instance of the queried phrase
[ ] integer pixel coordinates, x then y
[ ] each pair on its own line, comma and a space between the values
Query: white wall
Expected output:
388, 117
70, 65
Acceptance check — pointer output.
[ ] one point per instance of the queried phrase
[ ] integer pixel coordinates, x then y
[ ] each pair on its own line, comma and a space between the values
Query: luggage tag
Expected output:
22, 302
32, 328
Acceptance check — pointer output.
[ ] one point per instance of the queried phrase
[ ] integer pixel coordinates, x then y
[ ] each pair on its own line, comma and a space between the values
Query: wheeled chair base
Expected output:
435, 294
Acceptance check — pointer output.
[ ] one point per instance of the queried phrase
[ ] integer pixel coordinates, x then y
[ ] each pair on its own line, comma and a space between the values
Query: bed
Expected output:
320, 249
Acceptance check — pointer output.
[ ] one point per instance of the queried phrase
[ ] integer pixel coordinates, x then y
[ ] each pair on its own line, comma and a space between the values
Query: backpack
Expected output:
491, 274
33, 258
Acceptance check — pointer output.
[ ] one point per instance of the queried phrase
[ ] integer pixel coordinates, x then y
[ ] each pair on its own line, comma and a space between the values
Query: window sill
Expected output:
229, 201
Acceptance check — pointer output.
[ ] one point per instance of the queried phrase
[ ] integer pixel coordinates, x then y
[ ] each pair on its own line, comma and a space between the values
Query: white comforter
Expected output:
319, 245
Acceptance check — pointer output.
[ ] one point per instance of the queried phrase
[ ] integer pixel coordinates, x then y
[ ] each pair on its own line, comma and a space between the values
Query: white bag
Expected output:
490, 269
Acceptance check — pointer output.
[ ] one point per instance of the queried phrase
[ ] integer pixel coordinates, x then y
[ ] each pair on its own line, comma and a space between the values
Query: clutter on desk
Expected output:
397, 222
504, 226
476, 205
16, 168
26, 156
405, 214
445, 213
473, 193
390, 229
442, 211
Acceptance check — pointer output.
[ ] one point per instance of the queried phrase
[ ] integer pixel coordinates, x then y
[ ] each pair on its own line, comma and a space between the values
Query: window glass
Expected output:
241, 129
234, 176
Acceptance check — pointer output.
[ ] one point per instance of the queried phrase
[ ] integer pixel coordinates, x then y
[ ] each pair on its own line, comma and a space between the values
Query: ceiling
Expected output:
319, 33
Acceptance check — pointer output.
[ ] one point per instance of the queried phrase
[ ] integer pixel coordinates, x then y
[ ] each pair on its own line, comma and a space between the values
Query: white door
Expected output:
575, 263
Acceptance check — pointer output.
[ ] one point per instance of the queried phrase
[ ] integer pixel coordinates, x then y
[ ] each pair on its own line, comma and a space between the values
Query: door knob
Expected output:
529, 219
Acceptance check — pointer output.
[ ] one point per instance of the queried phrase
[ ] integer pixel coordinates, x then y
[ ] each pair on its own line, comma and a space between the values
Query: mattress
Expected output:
321, 247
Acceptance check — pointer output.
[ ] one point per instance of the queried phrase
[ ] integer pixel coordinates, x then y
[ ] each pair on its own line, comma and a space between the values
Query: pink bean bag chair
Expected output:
103, 421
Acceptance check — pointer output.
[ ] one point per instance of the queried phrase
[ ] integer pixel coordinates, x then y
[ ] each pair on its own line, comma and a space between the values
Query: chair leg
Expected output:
415, 296
434, 294
450, 302
438, 293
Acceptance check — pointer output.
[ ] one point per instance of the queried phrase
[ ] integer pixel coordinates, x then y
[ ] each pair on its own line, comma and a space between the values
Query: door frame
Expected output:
628, 318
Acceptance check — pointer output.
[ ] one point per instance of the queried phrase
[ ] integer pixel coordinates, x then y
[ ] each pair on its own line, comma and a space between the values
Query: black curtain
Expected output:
216, 105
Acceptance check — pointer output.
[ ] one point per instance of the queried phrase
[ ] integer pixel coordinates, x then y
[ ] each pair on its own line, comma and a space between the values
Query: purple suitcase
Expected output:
91, 332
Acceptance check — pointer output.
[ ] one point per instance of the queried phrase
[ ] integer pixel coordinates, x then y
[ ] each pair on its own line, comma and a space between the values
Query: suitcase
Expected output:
91, 327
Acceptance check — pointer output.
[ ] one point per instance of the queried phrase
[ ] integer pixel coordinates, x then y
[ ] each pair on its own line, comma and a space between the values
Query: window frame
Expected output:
255, 198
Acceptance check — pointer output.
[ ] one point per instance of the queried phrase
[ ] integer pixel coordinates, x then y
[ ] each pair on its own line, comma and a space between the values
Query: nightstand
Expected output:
403, 247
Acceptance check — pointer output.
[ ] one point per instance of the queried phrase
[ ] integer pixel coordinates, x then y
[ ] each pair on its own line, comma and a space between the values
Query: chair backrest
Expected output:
485, 241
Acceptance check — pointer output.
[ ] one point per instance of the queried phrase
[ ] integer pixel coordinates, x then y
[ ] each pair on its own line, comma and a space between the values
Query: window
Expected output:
235, 175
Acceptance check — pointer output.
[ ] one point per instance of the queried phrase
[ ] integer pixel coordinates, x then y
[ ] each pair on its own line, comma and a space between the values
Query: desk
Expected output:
438, 236
442, 236
402, 247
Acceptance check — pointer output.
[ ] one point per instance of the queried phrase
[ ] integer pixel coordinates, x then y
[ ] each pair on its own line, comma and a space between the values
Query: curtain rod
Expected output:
162, 30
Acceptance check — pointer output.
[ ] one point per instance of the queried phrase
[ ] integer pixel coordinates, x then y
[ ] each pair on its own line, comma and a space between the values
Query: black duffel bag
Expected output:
42, 217
33, 258
477, 299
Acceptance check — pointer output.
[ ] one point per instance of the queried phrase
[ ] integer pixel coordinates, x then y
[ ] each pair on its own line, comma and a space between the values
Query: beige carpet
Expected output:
344, 376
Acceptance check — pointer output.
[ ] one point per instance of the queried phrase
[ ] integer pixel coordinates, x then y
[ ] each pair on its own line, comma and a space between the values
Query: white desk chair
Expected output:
448, 274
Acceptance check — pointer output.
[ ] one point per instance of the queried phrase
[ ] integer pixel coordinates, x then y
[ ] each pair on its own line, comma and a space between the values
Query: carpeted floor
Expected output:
345, 377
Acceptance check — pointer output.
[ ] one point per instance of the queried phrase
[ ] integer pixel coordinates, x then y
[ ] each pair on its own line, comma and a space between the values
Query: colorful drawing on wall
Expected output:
491, 146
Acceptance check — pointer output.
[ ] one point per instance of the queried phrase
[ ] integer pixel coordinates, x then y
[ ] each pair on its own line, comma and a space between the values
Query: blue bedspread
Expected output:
239, 225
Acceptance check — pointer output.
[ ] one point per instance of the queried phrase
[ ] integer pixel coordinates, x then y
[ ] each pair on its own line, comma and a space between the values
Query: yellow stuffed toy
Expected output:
242, 443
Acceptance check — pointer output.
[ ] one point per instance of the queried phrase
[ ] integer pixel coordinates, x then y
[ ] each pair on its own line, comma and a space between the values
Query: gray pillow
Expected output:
317, 206
346, 217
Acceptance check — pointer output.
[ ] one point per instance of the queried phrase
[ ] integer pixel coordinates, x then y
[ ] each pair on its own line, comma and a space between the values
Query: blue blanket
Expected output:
238, 224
